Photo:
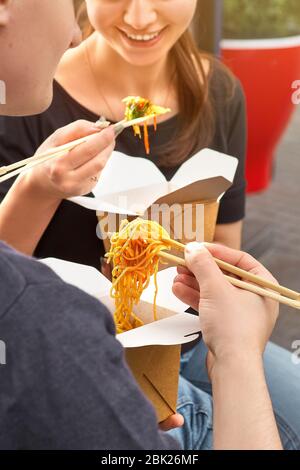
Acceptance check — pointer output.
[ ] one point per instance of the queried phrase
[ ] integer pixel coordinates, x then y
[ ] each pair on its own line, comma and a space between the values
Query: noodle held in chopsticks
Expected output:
137, 107
135, 255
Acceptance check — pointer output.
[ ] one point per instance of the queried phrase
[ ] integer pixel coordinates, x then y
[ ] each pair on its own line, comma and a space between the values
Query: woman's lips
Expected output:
142, 44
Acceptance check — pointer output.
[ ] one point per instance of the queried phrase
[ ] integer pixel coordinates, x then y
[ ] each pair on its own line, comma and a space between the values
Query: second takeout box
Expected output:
153, 350
187, 205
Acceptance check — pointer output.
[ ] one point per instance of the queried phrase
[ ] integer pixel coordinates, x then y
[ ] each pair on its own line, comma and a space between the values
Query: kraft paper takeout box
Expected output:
153, 350
133, 186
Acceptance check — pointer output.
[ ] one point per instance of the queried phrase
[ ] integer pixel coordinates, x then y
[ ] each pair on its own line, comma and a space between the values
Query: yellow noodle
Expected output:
134, 253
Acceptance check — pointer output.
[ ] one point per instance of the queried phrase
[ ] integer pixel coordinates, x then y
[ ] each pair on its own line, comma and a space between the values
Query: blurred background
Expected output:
260, 42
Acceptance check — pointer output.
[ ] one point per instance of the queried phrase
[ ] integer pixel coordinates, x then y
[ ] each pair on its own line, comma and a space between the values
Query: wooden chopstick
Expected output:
29, 166
48, 153
245, 274
7, 172
241, 284
280, 294
289, 297
120, 126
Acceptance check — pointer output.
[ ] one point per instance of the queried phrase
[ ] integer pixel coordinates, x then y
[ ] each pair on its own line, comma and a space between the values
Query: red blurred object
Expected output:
267, 70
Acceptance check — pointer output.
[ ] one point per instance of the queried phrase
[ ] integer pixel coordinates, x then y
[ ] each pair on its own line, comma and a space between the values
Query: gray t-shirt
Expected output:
65, 384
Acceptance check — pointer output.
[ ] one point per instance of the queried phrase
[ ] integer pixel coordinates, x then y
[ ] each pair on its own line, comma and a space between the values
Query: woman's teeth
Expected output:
144, 37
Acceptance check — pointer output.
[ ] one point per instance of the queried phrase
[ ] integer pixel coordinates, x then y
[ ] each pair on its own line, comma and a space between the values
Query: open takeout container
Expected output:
186, 206
153, 350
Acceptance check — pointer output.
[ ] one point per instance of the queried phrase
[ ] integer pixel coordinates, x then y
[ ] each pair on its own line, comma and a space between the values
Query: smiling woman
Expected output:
133, 48
143, 34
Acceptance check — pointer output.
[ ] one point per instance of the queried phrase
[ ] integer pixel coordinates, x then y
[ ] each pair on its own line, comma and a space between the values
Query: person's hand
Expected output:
174, 421
76, 172
233, 321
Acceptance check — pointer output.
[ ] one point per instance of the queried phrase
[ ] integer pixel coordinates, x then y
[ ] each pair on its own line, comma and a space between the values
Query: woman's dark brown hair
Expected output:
196, 109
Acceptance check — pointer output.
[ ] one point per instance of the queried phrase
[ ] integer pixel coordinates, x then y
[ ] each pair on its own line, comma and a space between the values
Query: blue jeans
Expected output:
195, 400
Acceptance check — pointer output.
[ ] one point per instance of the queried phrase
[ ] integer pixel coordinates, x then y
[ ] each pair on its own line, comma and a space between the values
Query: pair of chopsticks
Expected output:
10, 171
263, 287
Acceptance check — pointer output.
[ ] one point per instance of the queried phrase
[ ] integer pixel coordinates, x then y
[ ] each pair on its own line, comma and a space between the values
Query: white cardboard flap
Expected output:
123, 172
165, 297
144, 310
204, 165
84, 277
95, 284
96, 205
211, 189
134, 201
178, 329
127, 181
172, 327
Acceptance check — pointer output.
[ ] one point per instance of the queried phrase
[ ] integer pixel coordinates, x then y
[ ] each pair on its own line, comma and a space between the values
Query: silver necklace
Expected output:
99, 90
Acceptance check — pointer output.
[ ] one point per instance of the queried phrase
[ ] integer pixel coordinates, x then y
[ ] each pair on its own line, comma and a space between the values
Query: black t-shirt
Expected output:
71, 235
65, 383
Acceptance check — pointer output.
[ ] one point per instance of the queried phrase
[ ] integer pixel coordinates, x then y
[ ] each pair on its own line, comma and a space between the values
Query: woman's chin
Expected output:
143, 60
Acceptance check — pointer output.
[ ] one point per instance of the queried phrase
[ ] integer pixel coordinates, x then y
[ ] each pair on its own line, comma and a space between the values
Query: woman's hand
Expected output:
76, 172
233, 321
36, 194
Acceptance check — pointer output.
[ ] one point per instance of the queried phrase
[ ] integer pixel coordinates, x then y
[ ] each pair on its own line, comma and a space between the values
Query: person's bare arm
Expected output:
229, 234
243, 415
32, 201
24, 216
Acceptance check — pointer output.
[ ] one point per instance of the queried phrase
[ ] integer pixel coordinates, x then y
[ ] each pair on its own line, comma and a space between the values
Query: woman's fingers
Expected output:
93, 167
71, 171
101, 143
73, 131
